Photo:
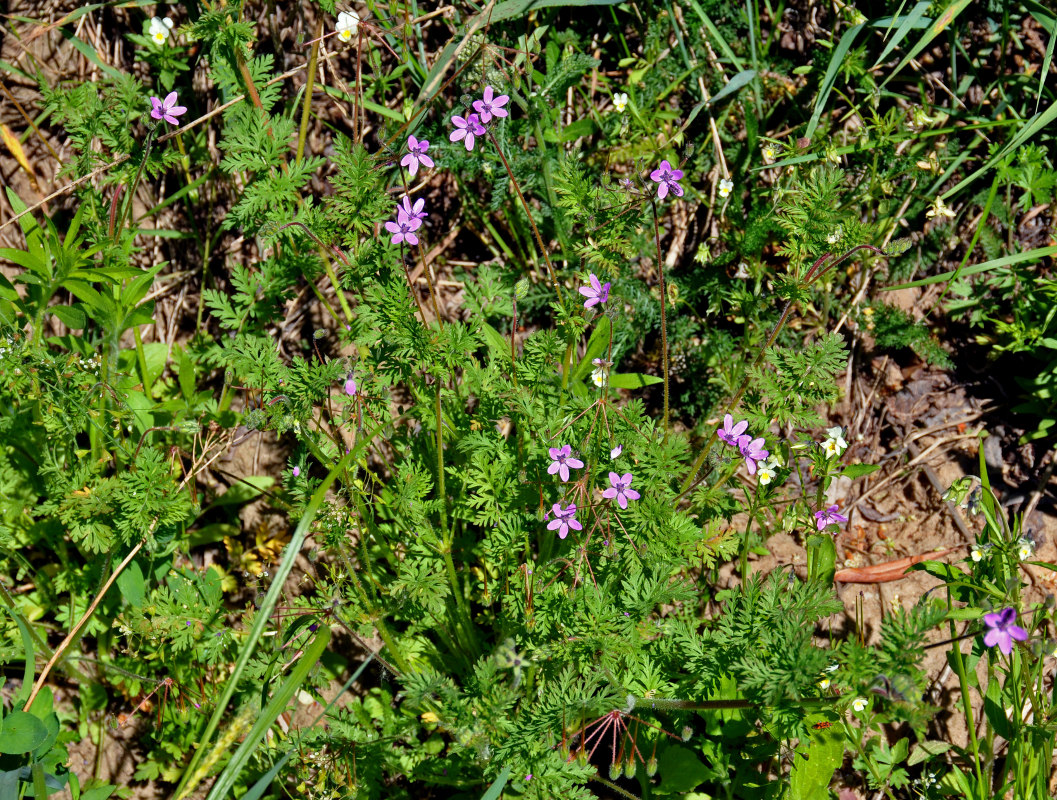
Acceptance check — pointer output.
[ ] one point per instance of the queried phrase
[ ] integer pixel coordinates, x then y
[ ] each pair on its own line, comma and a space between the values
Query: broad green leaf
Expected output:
854, 471
498, 784
817, 759
597, 347
632, 380
680, 770
132, 586
21, 733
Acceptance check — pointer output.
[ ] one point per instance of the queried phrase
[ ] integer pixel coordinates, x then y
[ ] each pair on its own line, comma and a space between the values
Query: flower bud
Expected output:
651, 767
614, 772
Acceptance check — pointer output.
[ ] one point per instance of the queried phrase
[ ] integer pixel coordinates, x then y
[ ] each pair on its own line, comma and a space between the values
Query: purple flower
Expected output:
562, 461
167, 109
830, 516
297, 471
731, 433
404, 228
563, 520
416, 155
416, 211
667, 180
350, 386
752, 450
616, 451
1001, 630
596, 292
490, 106
619, 489
466, 129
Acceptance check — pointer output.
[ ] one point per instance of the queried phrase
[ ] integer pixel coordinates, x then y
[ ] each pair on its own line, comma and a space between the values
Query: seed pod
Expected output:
651, 766
614, 772
629, 768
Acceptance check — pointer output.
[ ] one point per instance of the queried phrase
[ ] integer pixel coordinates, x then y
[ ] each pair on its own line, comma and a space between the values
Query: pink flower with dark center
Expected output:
563, 460
831, 516
466, 129
731, 433
404, 228
564, 520
619, 489
752, 450
490, 106
596, 292
416, 211
1002, 630
416, 155
167, 109
667, 179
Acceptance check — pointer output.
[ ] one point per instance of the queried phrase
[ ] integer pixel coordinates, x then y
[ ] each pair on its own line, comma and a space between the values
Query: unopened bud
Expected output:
614, 772
651, 767
521, 288
686, 733
629, 768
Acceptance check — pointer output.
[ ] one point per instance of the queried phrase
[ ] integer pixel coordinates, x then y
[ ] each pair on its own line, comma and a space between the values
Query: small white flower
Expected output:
620, 101
598, 377
823, 684
832, 668
616, 451
770, 153
348, 23
976, 553
939, 209
765, 474
726, 186
159, 29
859, 704
834, 444
836, 236
1025, 549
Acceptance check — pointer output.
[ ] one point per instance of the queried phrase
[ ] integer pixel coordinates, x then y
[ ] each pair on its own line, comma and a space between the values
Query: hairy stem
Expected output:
664, 314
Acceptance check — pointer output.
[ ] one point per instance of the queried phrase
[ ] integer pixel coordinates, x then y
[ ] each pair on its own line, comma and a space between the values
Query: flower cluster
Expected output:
409, 218
485, 110
751, 449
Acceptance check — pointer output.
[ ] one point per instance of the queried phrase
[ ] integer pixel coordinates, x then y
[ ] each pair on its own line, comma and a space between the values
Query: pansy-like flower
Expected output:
616, 451
1002, 630
415, 211
490, 105
404, 228
1025, 549
752, 451
595, 292
563, 459
466, 129
350, 386
769, 152
830, 516
940, 209
416, 155
726, 186
159, 29
824, 684
348, 23
731, 433
619, 488
167, 109
620, 101
766, 473
836, 236
564, 519
976, 553
859, 704
667, 179
834, 444
598, 374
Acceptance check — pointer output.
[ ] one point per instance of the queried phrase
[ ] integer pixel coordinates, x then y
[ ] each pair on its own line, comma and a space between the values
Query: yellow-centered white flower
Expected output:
620, 101
834, 444
348, 24
859, 704
726, 186
159, 29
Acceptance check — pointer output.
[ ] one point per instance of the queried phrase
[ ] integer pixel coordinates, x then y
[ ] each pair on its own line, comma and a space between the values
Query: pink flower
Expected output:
563, 459
619, 489
731, 433
752, 450
831, 516
616, 451
1001, 630
596, 292
667, 180
167, 109
564, 520
466, 129
404, 228
490, 106
416, 155
297, 471
350, 386
416, 211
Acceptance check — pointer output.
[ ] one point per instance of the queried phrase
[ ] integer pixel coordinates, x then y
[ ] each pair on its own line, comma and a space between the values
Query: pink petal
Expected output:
488, 94
622, 501
426, 160
170, 100
392, 227
454, 136
662, 190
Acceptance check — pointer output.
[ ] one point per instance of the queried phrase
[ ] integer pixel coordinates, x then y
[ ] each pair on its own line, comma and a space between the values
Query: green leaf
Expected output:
498, 345
248, 488
912, 20
854, 471
935, 29
923, 751
131, 584
70, 316
826, 87
821, 558
680, 770
740, 80
1031, 255
21, 733
632, 380
498, 784
817, 759
597, 346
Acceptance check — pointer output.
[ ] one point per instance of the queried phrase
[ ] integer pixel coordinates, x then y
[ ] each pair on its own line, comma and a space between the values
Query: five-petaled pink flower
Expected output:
563, 459
350, 386
466, 129
619, 488
1002, 630
490, 106
413, 212
416, 155
596, 292
731, 433
667, 180
404, 228
563, 520
752, 450
167, 109
831, 516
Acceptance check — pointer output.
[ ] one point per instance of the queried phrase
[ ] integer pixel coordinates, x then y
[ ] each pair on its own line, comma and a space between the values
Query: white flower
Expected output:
616, 451
976, 553
159, 29
765, 474
348, 22
725, 187
823, 684
836, 236
832, 668
939, 209
835, 444
620, 101
598, 375
859, 704
770, 153
1025, 549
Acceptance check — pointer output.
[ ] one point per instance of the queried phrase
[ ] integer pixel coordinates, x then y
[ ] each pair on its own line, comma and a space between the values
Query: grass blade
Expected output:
911, 20
975, 269
938, 26
830, 78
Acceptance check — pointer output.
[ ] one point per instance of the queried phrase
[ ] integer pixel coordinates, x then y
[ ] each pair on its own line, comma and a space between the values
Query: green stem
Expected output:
127, 211
142, 360
664, 314
441, 495
306, 111
967, 706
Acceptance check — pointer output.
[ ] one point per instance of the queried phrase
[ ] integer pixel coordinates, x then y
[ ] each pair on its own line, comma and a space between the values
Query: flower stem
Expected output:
310, 80
528, 213
664, 314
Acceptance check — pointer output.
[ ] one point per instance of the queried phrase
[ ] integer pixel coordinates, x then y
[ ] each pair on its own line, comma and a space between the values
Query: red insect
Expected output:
819, 726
